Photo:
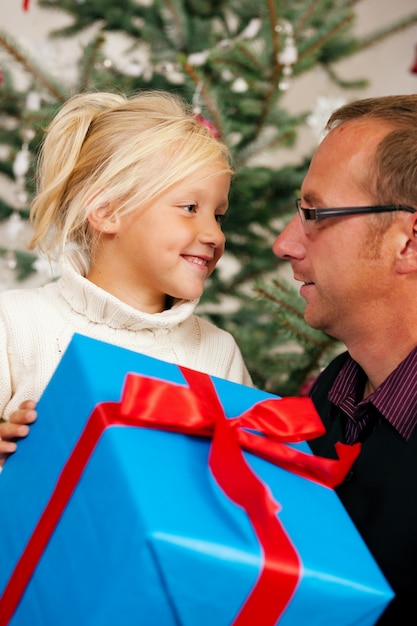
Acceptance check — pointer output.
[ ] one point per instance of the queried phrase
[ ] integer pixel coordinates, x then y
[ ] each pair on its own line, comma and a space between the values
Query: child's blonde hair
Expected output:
105, 149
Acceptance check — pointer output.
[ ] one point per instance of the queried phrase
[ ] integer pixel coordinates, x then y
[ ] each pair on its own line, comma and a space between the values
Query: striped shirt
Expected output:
394, 400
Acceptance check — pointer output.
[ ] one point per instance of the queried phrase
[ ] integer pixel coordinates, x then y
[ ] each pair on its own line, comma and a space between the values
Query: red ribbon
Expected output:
197, 410
25, 5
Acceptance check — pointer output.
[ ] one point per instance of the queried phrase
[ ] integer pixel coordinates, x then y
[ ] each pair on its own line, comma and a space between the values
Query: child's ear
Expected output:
103, 220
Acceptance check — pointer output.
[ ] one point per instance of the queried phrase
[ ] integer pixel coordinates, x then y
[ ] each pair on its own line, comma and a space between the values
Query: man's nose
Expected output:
288, 243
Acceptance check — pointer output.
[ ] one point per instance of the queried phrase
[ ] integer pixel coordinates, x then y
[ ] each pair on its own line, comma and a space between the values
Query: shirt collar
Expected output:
395, 398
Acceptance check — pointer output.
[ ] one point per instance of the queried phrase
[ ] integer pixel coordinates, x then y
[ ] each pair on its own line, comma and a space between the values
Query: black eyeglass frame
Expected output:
316, 215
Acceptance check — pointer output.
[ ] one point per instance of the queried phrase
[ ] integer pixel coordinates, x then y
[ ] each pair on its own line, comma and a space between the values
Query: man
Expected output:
353, 246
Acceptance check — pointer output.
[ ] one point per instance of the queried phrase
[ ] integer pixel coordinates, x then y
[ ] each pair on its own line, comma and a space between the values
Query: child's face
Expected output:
170, 246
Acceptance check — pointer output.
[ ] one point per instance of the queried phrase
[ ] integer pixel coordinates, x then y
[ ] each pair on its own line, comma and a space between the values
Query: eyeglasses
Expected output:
315, 216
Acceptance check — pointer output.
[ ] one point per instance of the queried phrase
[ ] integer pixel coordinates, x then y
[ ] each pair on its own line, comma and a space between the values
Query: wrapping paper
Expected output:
152, 494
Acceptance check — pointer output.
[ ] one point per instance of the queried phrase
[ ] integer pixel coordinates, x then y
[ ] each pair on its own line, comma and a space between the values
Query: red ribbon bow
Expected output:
197, 410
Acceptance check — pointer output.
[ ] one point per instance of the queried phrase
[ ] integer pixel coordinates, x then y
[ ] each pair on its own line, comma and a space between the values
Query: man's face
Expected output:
344, 281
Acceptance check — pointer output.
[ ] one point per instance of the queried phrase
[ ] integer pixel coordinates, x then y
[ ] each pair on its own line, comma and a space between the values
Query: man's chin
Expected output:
320, 324
313, 319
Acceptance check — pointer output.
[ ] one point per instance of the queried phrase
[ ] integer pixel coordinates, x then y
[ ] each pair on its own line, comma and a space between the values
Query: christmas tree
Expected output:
234, 60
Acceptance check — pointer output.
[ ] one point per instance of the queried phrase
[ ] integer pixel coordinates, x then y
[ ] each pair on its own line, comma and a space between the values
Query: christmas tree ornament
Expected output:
205, 122
14, 228
21, 164
197, 108
22, 158
198, 59
288, 54
33, 101
239, 85
196, 101
252, 29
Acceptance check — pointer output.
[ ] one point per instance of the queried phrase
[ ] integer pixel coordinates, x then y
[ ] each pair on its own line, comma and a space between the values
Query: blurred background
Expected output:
267, 73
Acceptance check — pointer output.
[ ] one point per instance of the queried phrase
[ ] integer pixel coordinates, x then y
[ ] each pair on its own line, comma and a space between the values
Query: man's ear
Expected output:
103, 220
407, 259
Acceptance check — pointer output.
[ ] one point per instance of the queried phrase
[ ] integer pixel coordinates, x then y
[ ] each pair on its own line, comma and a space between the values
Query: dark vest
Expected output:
380, 495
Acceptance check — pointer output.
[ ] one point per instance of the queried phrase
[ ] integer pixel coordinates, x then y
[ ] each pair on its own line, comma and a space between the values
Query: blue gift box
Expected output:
145, 535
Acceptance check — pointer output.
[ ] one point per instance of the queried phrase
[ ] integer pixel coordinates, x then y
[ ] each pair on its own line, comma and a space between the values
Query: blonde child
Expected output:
132, 192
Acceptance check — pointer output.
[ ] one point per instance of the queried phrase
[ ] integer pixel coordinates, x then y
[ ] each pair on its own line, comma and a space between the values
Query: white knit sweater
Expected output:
36, 326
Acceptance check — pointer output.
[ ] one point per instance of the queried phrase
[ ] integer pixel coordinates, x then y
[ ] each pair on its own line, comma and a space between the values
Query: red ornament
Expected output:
414, 68
205, 122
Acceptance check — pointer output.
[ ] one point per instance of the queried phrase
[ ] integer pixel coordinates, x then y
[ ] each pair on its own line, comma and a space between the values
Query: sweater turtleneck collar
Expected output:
100, 307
